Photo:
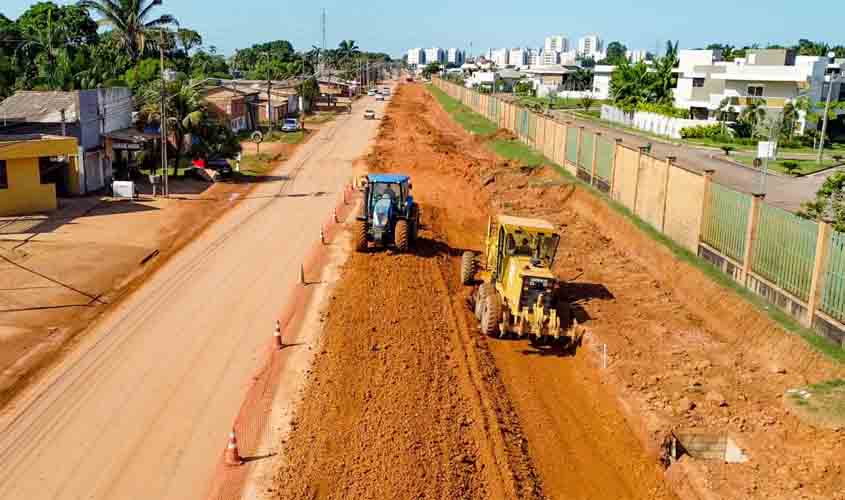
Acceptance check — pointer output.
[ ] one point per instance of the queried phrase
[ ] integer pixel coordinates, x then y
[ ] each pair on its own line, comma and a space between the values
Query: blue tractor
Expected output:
389, 215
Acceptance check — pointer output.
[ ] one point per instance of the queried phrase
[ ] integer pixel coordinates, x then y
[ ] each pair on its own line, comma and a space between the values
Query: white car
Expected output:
379, 97
369, 114
290, 125
371, 93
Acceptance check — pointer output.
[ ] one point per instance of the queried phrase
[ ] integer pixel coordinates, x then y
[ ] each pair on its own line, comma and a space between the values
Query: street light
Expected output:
826, 111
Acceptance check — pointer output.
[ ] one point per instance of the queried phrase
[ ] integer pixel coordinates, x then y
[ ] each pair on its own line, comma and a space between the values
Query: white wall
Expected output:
650, 122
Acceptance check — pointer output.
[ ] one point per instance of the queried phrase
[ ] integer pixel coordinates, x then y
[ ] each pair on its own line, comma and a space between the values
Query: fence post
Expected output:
669, 161
705, 204
640, 152
817, 282
578, 149
751, 235
596, 137
616, 147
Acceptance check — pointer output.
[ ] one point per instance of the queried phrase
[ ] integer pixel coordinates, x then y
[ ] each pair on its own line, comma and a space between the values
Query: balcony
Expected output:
769, 102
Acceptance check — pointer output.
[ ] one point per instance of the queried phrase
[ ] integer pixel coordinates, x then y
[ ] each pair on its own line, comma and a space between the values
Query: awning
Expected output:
129, 138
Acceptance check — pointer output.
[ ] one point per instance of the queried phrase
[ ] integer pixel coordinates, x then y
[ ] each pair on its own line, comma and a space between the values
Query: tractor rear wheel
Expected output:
467, 268
491, 315
360, 235
402, 241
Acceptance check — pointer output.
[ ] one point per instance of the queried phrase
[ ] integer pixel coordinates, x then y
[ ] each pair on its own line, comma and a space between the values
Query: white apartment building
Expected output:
550, 57
455, 56
556, 43
535, 57
568, 58
518, 57
500, 57
775, 76
416, 58
590, 46
435, 55
636, 56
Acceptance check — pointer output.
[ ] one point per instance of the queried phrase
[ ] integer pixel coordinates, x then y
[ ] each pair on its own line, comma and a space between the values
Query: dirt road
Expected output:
409, 401
142, 408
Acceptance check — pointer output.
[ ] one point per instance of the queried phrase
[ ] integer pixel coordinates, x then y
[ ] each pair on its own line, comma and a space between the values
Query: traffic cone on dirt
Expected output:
334, 215
277, 336
233, 458
322, 236
301, 274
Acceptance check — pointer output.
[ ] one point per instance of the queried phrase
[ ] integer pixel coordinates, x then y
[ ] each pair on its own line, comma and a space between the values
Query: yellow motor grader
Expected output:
518, 293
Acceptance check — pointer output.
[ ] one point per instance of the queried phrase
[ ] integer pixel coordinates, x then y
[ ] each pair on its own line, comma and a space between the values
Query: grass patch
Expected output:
821, 404
470, 120
285, 137
557, 103
512, 149
804, 167
322, 117
258, 164
816, 341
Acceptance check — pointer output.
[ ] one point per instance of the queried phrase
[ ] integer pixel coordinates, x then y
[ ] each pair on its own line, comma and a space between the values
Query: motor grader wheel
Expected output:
467, 268
403, 242
360, 235
491, 315
481, 293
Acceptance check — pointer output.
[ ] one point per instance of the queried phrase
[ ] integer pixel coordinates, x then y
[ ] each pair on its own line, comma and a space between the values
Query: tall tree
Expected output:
46, 46
616, 53
185, 109
78, 27
347, 49
131, 20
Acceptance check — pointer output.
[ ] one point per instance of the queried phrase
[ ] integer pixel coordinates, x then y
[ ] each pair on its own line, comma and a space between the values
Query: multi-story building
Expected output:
518, 57
636, 56
455, 56
590, 46
556, 43
568, 58
435, 55
535, 57
416, 58
500, 57
774, 77
551, 57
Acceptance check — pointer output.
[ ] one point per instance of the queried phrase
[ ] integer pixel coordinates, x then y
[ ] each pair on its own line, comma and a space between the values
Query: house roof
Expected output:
40, 107
509, 73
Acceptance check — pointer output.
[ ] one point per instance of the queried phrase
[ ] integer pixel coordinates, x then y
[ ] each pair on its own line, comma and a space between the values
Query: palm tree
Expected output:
664, 77
347, 49
722, 112
131, 20
185, 109
188, 39
49, 43
754, 114
630, 85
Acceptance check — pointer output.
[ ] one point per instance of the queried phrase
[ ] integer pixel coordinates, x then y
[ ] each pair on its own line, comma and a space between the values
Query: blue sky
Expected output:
394, 26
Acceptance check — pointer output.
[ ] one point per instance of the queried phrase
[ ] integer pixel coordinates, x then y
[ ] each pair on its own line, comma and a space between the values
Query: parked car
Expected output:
379, 97
290, 125
385, 92
371, 92
221, 166
369, 114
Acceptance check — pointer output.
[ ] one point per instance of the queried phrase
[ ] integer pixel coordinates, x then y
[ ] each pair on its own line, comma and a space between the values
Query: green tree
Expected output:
188, 39
215, 140
829, 203
347, 49
664, 79
46, 47
524, 88
132, 21
616, 53
309, 90
145, 72
78, 27
754, 115
431, 69
630, 85
185, 108
205, 65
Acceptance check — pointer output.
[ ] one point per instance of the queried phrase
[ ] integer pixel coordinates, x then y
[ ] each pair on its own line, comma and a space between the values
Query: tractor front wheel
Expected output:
402, 240
360, 236
467, 268
491, 315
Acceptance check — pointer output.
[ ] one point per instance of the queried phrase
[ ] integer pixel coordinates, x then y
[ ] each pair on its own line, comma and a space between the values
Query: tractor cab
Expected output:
389, 214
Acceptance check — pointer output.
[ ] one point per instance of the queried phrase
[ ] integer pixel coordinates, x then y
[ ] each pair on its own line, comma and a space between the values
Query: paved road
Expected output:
781, 191
142, 408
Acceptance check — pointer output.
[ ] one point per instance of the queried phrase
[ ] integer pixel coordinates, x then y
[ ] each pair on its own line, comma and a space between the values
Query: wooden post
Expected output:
593, 163
616, 147
640, 152
669, 161
751, 235
817, 282
705, 203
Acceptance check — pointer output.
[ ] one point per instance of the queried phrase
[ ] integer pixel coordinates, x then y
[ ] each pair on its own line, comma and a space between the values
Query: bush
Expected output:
790, 166
663, 109
727, 150
702, 132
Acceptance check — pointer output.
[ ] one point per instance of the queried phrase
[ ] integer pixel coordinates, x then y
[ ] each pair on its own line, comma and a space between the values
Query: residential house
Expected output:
87, 115
505, 79
773, 77
27, 171
235, 107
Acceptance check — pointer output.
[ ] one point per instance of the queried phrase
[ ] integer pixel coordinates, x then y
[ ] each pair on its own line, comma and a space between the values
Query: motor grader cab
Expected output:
519, 292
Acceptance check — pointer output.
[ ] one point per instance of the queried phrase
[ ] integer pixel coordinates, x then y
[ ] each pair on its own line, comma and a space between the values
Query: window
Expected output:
755, 91
4, 180
698, 82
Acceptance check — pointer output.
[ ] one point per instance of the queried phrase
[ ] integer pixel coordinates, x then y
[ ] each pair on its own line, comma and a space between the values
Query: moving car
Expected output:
371, 92
290, 125
369, 114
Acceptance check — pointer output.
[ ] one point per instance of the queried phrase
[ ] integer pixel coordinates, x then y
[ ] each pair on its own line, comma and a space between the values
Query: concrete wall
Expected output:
625, 170
25, 193
684, 202
651, 190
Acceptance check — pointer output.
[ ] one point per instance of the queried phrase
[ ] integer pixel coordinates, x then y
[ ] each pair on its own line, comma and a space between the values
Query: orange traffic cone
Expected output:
232, 456
277, 336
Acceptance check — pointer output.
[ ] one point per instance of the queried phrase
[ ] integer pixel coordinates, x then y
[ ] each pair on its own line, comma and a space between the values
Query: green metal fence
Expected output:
604, 159
585, 155
492, 109
532, 126
572, 145
785, 250
833, 293
522, 122
726, 220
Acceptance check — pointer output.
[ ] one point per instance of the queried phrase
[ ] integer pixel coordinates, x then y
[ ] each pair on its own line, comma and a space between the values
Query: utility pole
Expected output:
269, 98
323, 43
824, 118
163, 125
